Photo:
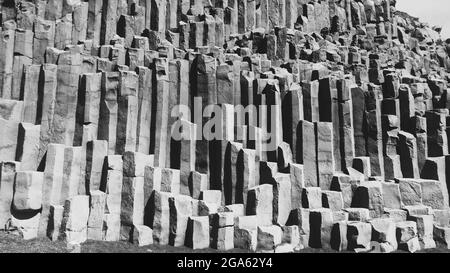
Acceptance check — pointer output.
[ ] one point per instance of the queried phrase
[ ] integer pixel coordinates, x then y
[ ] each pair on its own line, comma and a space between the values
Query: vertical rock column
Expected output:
30, 97
80, 22
88, 113
346, 124
127, 112
94, 25
160, 112
52, 185
133, 200
47, 89
204, 91
325, 154
96, 151
144, 110
113, 180
28, 146
44, 36
109, 110
390, 128
437, 136
7, 173
69, 69
6, 61
23, 56
374, 141
359, 120
109, 21
306, 152
292, 107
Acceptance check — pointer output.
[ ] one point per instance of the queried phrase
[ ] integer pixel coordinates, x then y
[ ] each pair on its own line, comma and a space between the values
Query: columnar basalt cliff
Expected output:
343, 144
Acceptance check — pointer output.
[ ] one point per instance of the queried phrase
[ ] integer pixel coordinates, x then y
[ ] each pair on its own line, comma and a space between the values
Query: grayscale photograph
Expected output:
222, 133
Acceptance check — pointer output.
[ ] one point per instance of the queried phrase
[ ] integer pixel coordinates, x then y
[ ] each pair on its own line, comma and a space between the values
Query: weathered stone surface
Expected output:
73, 178
425, 230
75, 219
321, 118
28, 141
282, 199
297, 185
245, 232
53, 181
11, 110
8, 140
312, 198
398, 215
206, 209
300, 218
410, 192
306, 153
347, 186
332, 200
197, 183
56, 218
291, 236
132, 205
180, 211
197, 234
369, 195
359, 235
96, 216
321, 225
325, 154
269, 237
27, 228
418, 210
339, 240
134, 164
260, 203
391, 195
407, 236
142, 235
28, 191
358, 214
222, 219
224, 240
384, 232
432, 194
442, 235
441, 217
112, 227
96, 151
7, 176
160, 217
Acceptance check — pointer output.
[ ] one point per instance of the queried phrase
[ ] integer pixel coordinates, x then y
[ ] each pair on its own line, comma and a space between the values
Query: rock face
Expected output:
266, 126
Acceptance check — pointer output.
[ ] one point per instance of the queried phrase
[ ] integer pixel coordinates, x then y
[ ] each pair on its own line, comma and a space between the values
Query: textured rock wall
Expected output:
358, 157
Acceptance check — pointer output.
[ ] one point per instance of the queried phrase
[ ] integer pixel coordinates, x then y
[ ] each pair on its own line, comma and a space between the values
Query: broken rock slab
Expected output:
407, 236
424, 230
442, 235
269, 238
384, 232
246, 233
142, 235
